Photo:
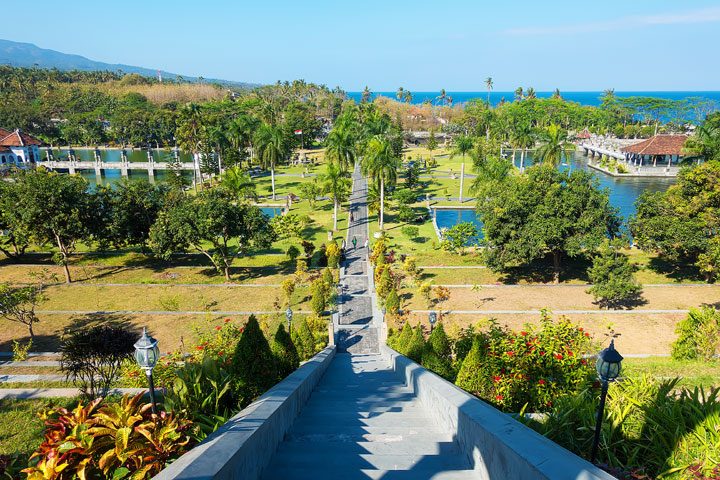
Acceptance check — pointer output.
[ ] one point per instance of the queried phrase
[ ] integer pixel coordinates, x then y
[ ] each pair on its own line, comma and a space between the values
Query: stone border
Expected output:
243, 447
495, 444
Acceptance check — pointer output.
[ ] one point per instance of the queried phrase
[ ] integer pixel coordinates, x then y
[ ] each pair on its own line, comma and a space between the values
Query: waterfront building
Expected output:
18, 149
660, 149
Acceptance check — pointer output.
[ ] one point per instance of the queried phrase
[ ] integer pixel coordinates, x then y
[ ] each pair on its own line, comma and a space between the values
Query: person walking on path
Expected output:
351, 217
354, 242
367, 242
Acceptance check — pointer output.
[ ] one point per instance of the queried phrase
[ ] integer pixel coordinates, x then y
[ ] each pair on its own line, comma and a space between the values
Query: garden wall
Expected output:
496, 445
242, 447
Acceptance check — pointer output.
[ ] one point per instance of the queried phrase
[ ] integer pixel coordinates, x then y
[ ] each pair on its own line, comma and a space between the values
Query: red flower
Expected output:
549, 404
580, 329
542, 353
227, 320
496, 378
199, 347
583, 361
570, 353
541, 382
242, 329
221, 353
510, 353
558, 356
523, 333
498, 397
218, 327
587, 334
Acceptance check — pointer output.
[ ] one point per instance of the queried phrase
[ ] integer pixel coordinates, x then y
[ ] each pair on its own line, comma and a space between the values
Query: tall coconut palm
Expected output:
272, 147
530, 93
489, 86
554, 144
518, 94
522, 138
407, 97
381, 165
705, 143
366, 95
463, 144
336, 184
340, 146
190, 133
400, 94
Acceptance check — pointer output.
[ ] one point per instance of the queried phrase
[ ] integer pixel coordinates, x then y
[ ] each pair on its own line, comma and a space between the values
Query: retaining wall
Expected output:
242, 447
497, 446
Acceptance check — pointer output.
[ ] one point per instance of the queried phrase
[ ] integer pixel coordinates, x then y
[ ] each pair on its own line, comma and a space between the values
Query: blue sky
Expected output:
420, 45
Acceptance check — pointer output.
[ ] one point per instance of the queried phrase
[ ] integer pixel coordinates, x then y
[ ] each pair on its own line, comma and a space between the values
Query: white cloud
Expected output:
706, 15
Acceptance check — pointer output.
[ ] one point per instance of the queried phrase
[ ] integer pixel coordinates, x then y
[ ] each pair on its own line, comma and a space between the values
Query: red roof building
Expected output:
663, 149
18, 149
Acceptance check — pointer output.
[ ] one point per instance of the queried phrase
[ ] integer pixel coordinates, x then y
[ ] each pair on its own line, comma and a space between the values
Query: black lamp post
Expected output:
146, 355
432, 318
608, 365
289, 315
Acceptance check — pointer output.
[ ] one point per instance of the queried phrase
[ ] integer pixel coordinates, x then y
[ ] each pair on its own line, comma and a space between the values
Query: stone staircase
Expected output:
363, 422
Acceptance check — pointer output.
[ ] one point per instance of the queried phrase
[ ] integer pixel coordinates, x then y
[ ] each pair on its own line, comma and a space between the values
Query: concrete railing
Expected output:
496, 445
242, 447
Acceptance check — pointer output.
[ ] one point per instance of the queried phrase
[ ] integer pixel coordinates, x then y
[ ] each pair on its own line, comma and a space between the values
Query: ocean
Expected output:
584, 98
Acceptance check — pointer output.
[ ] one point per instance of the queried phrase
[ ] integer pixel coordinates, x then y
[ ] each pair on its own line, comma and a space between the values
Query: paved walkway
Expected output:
357, 328
363, 422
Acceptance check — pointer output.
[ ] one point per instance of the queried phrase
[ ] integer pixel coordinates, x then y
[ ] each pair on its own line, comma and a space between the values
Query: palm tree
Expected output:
518, 94
336, 184
381, 164
489, 85
522, 138
408, 96
556, 94
272, 147
442, 98
238, 182
463, 144
400, 94
190, 133
340, 146
554, 144
530, 93
705, 143
366, 95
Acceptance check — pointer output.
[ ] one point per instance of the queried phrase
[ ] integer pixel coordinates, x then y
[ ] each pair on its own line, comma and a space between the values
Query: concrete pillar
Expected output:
151, 174
72, 169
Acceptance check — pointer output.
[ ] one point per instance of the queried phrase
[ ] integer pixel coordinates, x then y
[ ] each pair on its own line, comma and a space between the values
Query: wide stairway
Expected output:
363, 422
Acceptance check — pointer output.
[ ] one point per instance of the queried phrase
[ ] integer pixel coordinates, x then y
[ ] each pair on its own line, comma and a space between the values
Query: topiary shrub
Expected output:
392, 302
404, 338
306, 339
468, 378
439, 342
292, 253
333, 254
433, 362
416, 345
285, 353
318, 301
253, 363
93, 358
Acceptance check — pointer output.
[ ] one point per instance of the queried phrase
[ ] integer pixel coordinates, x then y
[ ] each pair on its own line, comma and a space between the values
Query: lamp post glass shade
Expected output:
147, 351
432, 318
289, 315
609, 363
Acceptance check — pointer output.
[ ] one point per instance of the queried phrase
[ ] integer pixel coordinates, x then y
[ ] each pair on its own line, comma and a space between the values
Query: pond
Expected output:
271, 212
623, 192
113, 155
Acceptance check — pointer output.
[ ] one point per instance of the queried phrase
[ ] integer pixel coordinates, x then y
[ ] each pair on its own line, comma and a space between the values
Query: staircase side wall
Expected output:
497, 446
243, 447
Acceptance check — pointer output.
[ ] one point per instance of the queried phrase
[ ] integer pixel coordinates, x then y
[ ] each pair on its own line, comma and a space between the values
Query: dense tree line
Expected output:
49, 209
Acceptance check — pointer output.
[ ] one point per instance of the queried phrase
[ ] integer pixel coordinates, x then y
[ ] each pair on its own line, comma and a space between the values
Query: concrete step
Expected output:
367, 432
390, 419
416, 446
365, 406
313, 473
354, 461
352, 410
389, 439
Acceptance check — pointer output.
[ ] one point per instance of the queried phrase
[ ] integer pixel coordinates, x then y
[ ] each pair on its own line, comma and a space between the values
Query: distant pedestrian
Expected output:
351, 217
354, 242
343, 244
367, 242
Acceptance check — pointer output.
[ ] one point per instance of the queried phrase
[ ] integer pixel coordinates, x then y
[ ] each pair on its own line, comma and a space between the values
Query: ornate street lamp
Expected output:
432, 318
146, 355
609, 363
289, 315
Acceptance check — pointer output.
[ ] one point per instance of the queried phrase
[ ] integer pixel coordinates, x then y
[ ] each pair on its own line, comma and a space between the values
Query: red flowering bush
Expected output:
532, 367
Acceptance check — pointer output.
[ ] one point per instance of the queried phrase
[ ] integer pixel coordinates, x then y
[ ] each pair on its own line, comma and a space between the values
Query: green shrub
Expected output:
286, 355
416, 345
385, 284
404, 338
433, 362
292, 253
93, 358
439, 341
253, 364
21, 350
527, 369
318, 301
612, 277
698, 335
649, 427
456, 238
392, 302
204, 391
305, 340
410, 231
333, 254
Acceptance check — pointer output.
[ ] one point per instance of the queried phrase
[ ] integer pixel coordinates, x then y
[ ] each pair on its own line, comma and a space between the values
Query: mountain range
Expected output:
19, 54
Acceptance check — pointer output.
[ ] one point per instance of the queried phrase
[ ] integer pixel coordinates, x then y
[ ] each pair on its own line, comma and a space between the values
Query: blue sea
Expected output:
584, 98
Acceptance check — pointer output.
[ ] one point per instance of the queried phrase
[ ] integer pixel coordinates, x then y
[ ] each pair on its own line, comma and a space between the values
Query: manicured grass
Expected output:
20, 425
693, 373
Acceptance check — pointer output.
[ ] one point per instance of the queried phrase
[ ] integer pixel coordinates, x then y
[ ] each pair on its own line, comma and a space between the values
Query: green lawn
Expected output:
693, 373
20, 425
